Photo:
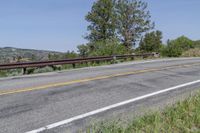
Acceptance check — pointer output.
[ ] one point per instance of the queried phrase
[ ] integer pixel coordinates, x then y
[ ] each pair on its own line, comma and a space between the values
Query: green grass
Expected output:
3, 73
183, 117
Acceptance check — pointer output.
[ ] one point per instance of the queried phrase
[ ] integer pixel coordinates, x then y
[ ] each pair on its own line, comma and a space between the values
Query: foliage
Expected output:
176, 47
54, 56
102, 21
68, 54
152, 42
122, 20
107, 48
171, 50
184, 117
3, 73
133, 19
43, 70
102, 48
83, 50
183, 42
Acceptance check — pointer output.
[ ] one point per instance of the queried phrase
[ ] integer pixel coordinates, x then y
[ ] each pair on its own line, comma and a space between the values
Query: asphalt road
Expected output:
68, 101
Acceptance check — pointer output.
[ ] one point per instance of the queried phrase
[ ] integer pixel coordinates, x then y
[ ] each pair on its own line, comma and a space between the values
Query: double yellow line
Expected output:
7, 92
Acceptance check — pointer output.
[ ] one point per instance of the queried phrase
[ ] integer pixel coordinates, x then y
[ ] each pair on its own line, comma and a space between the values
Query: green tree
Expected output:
83, 50
110, 47
152, 42
70, 54
101, 48
171, 50
133, 19
176, 47
52, 56
183, 42
102, 21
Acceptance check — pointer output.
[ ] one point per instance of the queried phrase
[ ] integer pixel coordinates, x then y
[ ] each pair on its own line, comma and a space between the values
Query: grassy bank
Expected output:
183, 117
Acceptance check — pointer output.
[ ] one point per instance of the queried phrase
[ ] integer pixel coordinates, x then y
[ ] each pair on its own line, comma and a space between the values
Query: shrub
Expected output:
3, 73
102, 48
171, 51
176, 47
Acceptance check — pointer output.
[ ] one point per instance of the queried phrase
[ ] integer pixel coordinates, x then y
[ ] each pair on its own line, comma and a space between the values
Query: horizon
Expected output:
60, 25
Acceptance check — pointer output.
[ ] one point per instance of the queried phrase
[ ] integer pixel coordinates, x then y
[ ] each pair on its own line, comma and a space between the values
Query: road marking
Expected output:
91, 79
82, 116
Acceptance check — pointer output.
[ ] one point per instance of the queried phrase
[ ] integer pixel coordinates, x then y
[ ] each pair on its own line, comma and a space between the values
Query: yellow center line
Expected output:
42, 87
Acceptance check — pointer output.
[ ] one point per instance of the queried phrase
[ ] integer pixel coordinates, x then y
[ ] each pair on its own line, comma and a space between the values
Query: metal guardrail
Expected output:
74, 61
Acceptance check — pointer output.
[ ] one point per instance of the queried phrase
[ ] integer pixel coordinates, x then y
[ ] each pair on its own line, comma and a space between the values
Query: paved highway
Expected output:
70, 100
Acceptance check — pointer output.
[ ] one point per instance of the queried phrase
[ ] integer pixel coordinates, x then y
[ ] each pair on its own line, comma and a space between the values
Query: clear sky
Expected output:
60, 25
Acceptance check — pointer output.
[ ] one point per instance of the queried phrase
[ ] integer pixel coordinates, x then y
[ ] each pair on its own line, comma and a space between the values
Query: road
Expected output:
70, 100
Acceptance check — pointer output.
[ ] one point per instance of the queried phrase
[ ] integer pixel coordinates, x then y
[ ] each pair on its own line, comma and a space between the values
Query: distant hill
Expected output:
10, 54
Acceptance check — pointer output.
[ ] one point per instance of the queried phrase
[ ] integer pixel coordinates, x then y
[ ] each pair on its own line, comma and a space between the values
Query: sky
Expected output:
60, 25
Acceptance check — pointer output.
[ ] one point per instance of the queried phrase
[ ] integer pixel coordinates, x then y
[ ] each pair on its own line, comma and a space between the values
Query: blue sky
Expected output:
60, 25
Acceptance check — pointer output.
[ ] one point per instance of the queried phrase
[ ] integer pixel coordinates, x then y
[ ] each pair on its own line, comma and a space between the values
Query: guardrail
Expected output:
74, 61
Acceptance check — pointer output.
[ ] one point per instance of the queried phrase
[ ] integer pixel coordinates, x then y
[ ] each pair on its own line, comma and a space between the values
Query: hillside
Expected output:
10, 54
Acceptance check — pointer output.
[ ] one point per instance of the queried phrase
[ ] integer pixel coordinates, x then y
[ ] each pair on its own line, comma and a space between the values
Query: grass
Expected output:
192, 53
183, 117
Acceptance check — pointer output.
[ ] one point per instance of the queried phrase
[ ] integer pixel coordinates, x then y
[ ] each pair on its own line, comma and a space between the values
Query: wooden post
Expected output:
133, 58
24, 70
74, 65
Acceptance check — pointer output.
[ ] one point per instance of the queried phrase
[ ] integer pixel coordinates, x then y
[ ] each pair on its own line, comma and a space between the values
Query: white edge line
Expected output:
67, 121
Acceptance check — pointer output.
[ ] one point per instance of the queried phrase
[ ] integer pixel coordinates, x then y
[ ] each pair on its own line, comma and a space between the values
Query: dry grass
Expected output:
192, 53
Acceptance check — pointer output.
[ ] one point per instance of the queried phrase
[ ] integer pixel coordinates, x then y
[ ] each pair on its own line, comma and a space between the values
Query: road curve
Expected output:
70, 100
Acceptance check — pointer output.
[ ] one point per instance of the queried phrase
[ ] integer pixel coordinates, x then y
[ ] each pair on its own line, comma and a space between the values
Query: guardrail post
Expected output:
74, 65
73, 62
114, 59
98, 62
53, 67
24, 70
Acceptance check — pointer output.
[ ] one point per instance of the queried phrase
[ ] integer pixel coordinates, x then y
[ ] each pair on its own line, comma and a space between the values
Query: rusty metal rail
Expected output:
74, 61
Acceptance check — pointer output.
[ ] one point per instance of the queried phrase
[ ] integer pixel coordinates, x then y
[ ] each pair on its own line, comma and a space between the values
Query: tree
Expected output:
101, 48
176, 47
70, 54
152, 42
53, 56
108, 48
183, 42
133, 19
83, 50
171, 50
102, 21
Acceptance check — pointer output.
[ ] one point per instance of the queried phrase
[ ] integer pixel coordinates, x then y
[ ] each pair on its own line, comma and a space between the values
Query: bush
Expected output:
43, 70
3, 73
176, 47
102, 48
171, 51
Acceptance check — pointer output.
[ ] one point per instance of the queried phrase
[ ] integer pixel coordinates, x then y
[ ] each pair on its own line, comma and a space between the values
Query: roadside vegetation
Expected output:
183, 117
